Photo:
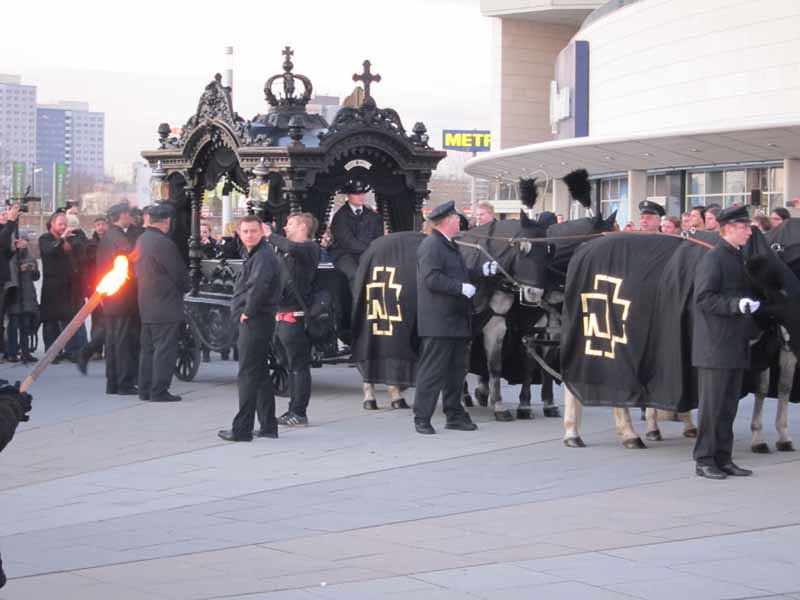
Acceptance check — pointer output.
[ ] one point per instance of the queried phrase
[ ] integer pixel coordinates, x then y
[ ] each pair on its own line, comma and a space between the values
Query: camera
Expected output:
23, 201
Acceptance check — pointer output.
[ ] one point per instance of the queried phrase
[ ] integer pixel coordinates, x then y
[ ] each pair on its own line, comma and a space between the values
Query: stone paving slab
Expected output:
107, 497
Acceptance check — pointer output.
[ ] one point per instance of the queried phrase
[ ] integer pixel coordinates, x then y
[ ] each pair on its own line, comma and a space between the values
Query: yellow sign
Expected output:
466, 140
383, 301
597, 309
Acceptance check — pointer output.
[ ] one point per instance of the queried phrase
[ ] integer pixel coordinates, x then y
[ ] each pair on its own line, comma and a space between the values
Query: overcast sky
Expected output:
147, 62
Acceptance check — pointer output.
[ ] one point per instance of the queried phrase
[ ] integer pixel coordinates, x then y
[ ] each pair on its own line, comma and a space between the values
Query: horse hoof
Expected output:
503, 416
761, 448
574, 442
634, 444
370, 405
552, 411
467, 401
525, 414
654, 436
400, 403
690, 433
787, 446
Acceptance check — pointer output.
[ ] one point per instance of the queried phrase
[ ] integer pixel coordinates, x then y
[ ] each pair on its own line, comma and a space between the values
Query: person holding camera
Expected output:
14, 409
8, 220
23, 307
300, 256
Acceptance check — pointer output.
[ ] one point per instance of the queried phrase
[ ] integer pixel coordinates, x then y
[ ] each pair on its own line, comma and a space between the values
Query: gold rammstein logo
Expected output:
383, 301
597, 309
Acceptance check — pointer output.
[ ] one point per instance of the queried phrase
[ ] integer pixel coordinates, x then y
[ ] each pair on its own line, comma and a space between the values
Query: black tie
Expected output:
358, 212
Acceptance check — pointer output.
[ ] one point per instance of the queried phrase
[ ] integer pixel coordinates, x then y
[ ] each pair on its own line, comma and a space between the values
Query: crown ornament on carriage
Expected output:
288, 99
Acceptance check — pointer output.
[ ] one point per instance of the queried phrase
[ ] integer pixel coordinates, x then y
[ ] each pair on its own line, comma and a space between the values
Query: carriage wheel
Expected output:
188, 362
278, 374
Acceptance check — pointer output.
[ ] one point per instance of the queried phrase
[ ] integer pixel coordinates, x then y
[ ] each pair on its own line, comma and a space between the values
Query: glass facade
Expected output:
726, 187
614, 197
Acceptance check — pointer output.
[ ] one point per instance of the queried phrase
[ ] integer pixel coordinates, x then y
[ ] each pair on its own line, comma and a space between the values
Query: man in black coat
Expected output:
444, 311
62, 251
162, 279
300, 254
120, 310
353, 227
7, 234
720, 343
14, 408
254, 304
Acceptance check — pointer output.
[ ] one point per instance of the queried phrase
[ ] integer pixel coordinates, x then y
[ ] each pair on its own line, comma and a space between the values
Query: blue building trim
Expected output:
581, 89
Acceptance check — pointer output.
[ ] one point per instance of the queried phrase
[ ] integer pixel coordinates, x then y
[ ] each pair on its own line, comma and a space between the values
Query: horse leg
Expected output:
653, 432
466, 399
624, 425
396, 396
550, 408
524, 410
788, 363
493, 335
689, 428
369, 397
758, 445
482, 391
572, 420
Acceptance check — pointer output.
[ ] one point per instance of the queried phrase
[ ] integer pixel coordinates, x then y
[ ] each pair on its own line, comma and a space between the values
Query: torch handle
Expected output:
62, 340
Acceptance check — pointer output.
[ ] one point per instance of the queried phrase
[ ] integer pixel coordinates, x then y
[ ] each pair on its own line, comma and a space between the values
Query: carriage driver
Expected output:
353, 227
720, 343
443, 320
650, 214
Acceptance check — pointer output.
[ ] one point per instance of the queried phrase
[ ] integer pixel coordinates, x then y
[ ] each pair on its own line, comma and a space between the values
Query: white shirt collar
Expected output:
356, 209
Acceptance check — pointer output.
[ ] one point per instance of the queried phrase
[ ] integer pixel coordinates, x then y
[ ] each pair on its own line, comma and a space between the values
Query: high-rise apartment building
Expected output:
17, 134
70, 150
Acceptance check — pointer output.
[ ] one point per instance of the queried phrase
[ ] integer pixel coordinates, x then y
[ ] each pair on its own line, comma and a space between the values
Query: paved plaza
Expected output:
107, 497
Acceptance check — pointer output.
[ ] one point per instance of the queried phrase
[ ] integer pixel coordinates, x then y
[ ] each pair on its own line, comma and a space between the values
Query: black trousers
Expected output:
159, 351
442, 368
719, 391
347, 264
294, 352
122, 360
52, 329
255, 385
98, 336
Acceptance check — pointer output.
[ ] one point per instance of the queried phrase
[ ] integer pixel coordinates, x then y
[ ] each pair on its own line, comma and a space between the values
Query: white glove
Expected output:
468, 290
747, 305
489, 268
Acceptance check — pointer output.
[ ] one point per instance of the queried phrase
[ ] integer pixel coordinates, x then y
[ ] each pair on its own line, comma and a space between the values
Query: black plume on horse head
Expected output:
528, 193
579, 186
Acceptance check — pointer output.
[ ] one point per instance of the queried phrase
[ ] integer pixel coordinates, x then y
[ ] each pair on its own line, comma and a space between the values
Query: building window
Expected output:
614, 197
735, 186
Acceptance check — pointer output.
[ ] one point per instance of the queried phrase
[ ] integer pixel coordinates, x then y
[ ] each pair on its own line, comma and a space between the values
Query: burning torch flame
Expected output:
114, 279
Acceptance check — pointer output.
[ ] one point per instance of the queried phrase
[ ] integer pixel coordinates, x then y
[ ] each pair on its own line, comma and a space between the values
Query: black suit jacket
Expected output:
353, 233
62, 283
115, 243
442, 310
720, 339
162, 278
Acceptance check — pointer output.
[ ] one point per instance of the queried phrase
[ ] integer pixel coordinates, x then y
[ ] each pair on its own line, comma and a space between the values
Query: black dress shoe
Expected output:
273, 435
165, 397
82, 363
12, 358
111, 389
144, 397
710, 472
131, 391
736, 471
229, 436
424, 427
461, 425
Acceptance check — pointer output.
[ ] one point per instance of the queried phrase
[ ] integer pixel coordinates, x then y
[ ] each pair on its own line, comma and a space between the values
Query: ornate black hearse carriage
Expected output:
285, 161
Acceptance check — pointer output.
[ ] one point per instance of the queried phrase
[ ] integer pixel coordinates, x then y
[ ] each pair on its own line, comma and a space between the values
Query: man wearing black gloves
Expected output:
14, 408
720, 343
162, 279
255, 301
120, 310
301, 256
443, 321
353, 227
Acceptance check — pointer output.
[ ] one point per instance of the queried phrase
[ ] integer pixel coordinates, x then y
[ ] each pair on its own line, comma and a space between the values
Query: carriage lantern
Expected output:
259, 185
159, 186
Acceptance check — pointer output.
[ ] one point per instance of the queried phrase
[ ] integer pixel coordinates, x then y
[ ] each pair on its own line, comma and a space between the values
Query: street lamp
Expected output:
41, 208
159, 186
259, 184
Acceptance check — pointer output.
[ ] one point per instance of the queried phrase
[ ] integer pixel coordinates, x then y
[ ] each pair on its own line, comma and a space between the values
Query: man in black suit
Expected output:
720, 343
120, 310
162, 279
353, 227
254, 304
444, 290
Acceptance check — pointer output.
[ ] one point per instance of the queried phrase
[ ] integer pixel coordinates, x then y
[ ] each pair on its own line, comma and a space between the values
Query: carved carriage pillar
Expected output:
194, 199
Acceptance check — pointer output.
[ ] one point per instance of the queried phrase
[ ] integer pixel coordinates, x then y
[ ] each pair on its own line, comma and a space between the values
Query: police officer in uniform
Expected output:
443, 321
162, 280
720, 343
256, 295
300, 255
353, 227
121, 318
650, 214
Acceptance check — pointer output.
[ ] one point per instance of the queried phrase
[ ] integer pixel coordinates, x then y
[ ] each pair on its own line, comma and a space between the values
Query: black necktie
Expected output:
358, 212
